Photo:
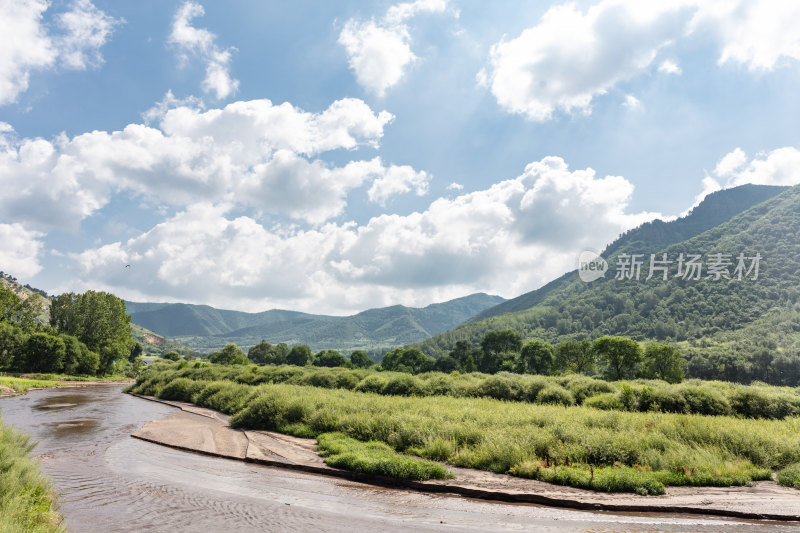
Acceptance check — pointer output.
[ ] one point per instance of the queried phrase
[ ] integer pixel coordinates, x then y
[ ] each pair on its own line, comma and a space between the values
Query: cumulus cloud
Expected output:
379, 52
396, 180
573, 56
21, 250
506, 239
28, 45
778, 167
202, 43
254, 153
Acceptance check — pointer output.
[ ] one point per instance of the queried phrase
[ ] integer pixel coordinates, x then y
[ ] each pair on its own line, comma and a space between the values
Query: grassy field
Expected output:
26, 502
571, 445
690, 397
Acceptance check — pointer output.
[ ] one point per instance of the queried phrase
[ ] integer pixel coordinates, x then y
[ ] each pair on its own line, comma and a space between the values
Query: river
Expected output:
109, 482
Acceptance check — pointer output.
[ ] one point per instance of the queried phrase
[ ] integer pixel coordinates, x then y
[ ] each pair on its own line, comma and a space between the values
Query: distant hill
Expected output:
716, 208
375, 330
738, 330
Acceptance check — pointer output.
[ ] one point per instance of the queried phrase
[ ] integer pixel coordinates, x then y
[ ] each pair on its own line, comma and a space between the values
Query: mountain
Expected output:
375, 330
736, 329
716, 208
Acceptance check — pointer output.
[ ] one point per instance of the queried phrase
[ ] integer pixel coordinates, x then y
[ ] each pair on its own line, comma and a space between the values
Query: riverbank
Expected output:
208, 432
14, 386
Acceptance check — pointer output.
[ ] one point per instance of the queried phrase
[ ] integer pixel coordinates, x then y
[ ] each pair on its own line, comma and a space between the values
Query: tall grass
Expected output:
572, 445
22, 385
26, 503
690, 397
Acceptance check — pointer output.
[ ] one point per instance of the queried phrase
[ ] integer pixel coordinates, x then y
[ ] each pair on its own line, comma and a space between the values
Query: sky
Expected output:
331, 157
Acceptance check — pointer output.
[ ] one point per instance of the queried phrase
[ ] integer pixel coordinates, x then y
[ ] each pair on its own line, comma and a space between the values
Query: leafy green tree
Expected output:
499, 350
43, 353
575, 356
663, 361
461, 350
299, 355
330, 358
230, 355
408, 360
361, 360
621, 356
136, 351
171, 356
538, 357
12, 339
469, 364
281, 353
97, 319
446, 364
22, 312
262, 353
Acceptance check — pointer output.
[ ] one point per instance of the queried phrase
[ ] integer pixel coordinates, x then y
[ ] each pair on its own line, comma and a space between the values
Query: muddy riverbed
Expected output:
110, 482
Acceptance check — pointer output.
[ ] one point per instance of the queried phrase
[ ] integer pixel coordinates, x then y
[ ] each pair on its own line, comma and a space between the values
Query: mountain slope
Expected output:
716, 208
697, 312
374, 330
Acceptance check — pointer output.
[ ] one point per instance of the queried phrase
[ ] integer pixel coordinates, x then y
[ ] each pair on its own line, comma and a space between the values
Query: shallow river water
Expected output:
109, 482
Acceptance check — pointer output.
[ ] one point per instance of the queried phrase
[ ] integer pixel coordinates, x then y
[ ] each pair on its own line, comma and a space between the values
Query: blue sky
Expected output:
335, 156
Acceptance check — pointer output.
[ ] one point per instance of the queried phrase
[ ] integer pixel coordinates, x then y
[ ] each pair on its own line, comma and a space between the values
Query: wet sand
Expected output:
207, 432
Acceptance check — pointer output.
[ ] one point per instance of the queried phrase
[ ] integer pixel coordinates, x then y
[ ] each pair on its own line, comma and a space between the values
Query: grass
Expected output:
26, 502
572, 445
691, 397
21, 385
373, 457
790, 476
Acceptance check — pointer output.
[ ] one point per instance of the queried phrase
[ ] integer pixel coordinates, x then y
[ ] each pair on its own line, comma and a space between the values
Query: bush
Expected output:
790, 476
661, 399
555, 395
404, 385
501, 388
181, 389
607, 402
705, 401
373, 383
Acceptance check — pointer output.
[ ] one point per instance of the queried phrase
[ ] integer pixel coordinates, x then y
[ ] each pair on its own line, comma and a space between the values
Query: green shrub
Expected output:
555, 395
373, 383
377, 458
501, 388
404, 385
607, 402
705, 401
181, 389
790, 476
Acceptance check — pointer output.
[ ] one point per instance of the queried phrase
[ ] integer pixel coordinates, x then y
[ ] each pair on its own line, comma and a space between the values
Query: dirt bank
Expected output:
205, 431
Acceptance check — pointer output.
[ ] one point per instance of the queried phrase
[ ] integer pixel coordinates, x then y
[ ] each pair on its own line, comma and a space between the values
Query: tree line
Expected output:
614, 358
87, 334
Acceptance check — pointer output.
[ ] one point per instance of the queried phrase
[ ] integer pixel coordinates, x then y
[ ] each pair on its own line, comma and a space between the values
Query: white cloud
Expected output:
398, 180
778, 167
670, 67
572, 56
28, 45
21, 250
755, 33
632, 103
252, 153
379, 52
201, 42
86, 31
455, 187
507, 239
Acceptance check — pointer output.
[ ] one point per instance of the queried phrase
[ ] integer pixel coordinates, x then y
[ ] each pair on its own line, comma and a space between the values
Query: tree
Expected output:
97, 319
171, 356
299, 355
262, 353
230, 355
446, 364
538, 357
22, 312
136, 351
12, 339
330, 358
499, 350
663, 361
575, 356
469, 364
461, 350
621, 356
409, 360
43, 353
360, 359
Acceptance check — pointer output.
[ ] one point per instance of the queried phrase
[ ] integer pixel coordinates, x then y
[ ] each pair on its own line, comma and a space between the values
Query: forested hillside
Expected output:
728, 327
375, 330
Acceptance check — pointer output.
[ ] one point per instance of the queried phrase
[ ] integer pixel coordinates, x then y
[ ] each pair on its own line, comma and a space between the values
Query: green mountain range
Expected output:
730, 328
205, 328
